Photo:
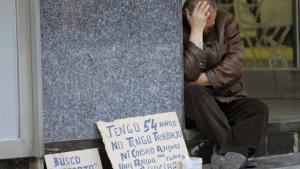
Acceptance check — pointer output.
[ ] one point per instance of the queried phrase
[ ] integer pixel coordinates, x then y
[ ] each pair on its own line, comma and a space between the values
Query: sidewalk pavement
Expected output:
285, 161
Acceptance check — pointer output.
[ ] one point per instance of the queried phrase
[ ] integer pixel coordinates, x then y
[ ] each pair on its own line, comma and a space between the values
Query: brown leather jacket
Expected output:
221, 59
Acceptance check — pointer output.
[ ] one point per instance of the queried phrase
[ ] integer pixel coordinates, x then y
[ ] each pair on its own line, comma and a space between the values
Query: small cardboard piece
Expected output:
82, 159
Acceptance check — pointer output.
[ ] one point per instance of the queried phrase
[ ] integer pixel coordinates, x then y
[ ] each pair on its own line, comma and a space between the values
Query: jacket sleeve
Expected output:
195, 60
229, 70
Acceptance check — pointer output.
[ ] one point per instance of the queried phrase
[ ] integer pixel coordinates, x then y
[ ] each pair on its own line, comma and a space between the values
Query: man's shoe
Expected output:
251, 163
230, 160
216, 161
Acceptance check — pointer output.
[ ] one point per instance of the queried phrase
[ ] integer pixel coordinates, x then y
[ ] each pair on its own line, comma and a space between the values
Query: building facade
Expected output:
66, 64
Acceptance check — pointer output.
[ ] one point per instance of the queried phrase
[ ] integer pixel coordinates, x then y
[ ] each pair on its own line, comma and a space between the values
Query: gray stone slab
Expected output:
290, 167
274, 84
279, 161
108, 59
284, 110
280, 143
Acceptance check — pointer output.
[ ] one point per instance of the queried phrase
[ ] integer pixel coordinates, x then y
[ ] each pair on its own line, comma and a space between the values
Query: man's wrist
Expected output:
197, 38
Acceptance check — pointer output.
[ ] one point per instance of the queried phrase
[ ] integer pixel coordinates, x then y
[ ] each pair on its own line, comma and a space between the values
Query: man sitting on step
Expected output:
214, 96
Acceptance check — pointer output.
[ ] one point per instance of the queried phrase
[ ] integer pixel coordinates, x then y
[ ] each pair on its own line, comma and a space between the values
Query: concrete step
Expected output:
283, 138
285, 161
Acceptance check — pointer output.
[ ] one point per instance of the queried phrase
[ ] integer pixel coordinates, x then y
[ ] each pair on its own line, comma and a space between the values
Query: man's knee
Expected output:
258, 107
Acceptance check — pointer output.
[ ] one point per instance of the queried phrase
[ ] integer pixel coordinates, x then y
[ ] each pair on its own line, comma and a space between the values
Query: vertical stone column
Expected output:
108, 59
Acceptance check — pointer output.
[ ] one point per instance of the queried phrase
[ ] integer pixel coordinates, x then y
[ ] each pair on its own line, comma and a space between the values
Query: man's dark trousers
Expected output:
237, 126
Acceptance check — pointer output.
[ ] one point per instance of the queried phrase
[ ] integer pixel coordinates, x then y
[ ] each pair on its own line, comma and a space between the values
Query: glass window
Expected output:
9, 112
267, 30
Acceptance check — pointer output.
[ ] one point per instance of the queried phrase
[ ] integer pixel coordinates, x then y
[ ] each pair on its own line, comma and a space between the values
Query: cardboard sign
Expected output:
149, 142
83, 159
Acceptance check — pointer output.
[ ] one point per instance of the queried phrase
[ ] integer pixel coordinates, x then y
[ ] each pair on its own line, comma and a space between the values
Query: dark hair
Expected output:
190, 4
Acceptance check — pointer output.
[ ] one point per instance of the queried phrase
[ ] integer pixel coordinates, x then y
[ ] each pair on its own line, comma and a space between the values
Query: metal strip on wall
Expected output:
297, 21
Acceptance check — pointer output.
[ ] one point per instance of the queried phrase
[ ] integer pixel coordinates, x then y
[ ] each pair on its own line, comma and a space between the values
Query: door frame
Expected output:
30, 141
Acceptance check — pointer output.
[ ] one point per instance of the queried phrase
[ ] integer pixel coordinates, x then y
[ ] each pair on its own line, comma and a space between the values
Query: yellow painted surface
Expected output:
266, 53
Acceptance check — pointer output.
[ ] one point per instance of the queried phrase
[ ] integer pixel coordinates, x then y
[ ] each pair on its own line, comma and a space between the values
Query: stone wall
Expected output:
108, 59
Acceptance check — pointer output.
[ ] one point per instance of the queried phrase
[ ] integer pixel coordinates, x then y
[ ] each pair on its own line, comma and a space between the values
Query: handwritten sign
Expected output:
83, 159
149, 142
